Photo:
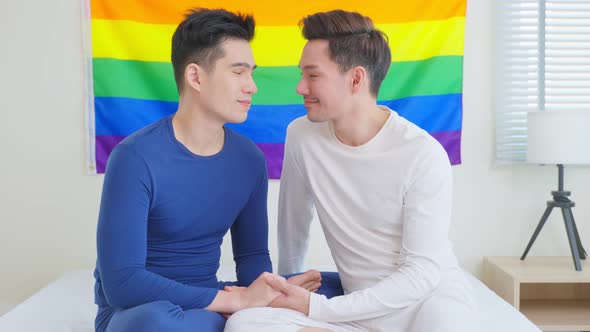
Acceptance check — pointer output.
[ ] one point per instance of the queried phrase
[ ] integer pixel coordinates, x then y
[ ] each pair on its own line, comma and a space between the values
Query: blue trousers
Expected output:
166, 316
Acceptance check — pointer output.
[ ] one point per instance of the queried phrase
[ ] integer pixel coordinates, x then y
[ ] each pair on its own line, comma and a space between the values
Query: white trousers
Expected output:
450, 308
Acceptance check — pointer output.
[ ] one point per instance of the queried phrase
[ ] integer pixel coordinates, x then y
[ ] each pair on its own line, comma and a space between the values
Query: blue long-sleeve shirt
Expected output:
164, 212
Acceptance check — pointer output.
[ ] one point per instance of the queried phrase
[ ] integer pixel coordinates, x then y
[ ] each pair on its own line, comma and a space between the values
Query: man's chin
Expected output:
237, 119
315, 118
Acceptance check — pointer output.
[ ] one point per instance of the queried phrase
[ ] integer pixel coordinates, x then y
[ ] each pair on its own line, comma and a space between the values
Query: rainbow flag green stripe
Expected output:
276, 85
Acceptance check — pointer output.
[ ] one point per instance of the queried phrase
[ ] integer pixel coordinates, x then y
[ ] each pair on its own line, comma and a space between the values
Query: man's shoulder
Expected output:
144, 142
147, 135
411, 134
415, 143
244, 146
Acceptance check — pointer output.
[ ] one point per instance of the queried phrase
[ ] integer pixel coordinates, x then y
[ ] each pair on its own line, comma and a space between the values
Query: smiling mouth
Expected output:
307, 102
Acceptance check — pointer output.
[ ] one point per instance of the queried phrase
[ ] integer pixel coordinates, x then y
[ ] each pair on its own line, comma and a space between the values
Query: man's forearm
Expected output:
227, 302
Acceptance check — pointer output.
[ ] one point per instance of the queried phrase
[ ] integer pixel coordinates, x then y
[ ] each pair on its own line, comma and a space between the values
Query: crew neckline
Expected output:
184, 149
368, 144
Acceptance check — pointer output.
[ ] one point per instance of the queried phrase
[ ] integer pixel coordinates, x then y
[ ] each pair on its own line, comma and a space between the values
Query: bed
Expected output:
66, 305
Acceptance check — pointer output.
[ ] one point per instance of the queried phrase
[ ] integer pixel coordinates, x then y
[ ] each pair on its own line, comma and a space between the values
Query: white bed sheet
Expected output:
66, 305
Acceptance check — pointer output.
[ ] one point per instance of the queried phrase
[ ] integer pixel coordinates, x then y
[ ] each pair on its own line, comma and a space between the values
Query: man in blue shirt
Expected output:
172, 190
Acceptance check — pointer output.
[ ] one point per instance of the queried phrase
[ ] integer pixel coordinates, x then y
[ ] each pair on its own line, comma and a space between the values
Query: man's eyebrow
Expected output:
243, 64
308, 67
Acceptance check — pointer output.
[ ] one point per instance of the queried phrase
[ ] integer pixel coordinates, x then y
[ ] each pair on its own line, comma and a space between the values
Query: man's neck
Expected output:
198, 132
360, 125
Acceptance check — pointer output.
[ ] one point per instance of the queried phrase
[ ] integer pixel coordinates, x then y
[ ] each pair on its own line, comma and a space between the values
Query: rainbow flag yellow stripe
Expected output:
275, 45
132, 85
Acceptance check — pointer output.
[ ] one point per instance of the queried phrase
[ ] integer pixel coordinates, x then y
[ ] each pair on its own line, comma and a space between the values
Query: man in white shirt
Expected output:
382, 190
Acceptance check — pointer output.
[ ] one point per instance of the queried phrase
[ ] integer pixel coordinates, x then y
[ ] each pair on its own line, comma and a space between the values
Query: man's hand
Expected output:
259, 293
235, 290
232, 299
310, 280
294, 297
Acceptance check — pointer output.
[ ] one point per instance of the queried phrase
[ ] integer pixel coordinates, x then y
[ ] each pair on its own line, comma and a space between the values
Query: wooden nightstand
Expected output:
547, 290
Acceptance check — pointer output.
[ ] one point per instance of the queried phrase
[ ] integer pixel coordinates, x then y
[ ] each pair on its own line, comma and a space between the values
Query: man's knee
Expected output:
443, 315
204, 320
154, 316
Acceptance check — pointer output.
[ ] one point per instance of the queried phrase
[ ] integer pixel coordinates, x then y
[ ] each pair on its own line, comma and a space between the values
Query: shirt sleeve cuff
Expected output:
316, 302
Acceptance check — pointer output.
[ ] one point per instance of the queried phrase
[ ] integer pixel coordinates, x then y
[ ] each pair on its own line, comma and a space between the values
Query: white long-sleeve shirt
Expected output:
384, 208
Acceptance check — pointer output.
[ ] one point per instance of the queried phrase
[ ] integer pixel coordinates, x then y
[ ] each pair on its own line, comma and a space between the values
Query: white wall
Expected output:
48, 206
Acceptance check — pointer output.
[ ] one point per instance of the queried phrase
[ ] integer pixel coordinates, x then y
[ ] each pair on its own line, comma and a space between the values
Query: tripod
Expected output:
560, 200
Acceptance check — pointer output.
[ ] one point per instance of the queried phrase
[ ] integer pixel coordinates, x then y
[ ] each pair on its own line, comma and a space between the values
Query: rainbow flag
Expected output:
131, 83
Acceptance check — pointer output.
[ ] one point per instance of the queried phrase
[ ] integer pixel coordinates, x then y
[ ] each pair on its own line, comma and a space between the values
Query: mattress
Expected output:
66, 305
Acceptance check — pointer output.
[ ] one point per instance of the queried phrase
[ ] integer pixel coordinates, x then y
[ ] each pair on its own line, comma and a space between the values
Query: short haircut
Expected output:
353, 41
198, 38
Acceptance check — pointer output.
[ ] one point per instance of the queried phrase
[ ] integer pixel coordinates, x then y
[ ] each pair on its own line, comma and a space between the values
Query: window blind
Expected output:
542, 61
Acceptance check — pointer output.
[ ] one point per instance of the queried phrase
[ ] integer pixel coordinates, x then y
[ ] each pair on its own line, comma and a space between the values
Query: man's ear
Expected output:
359, 79
193, 75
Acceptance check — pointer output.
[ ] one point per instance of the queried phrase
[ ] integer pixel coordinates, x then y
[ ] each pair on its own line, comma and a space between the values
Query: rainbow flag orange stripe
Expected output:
271, 13
131, 84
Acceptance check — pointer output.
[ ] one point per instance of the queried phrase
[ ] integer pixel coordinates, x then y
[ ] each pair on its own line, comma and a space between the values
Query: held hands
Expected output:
311, 280
262, 292
232, 299
258, 294
293, 297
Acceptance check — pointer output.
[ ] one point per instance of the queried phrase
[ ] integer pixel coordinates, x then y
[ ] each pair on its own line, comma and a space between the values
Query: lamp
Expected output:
560, 137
